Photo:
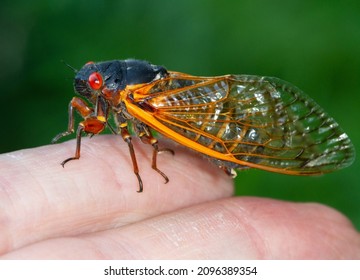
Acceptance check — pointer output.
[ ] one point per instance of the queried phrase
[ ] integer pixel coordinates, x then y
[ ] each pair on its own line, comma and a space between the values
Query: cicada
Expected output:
238, 121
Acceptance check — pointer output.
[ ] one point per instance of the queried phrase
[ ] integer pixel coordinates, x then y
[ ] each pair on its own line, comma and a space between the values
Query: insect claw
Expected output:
67, 160
157, 151
140, 183
60, 135
162, 174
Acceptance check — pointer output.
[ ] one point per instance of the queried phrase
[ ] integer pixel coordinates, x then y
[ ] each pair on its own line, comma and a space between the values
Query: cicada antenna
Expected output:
68, 65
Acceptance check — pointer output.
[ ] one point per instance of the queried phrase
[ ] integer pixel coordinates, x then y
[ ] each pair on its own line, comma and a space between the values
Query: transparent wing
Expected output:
252, 121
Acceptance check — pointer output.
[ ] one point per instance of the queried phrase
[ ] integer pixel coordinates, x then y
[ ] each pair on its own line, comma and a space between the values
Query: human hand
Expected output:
90, 210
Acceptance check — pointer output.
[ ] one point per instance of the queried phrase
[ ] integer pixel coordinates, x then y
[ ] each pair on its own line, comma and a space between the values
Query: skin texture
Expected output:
91, 210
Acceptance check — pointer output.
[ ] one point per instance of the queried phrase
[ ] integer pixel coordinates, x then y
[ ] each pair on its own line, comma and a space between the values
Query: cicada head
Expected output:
109, 77
89, 81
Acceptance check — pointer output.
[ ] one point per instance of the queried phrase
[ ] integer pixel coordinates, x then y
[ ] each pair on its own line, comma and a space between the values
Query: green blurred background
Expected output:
313, 44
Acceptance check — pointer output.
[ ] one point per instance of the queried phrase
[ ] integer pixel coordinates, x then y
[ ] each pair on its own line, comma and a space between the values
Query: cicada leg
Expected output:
127, 138
79, 105
156, 151
146, 137
91, 124
78, 144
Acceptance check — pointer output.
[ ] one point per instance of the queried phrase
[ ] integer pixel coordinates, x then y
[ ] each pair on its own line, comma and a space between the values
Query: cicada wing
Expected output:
254, 121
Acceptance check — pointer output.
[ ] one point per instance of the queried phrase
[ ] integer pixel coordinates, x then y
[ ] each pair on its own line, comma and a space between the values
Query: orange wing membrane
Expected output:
239, 121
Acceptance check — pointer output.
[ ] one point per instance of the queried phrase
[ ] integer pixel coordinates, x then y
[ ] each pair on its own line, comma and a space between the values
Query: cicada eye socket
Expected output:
95, 80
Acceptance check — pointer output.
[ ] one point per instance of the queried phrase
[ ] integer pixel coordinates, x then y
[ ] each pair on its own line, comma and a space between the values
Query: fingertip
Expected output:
288, 230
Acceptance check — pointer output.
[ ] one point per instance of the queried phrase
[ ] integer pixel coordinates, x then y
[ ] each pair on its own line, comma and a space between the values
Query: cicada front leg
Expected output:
91, 124
75, 104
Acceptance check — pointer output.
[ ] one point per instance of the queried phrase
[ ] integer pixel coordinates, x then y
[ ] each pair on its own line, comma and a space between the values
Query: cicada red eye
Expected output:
95, 80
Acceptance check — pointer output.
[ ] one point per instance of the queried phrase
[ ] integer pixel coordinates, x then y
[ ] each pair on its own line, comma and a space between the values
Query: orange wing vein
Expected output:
251, 121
